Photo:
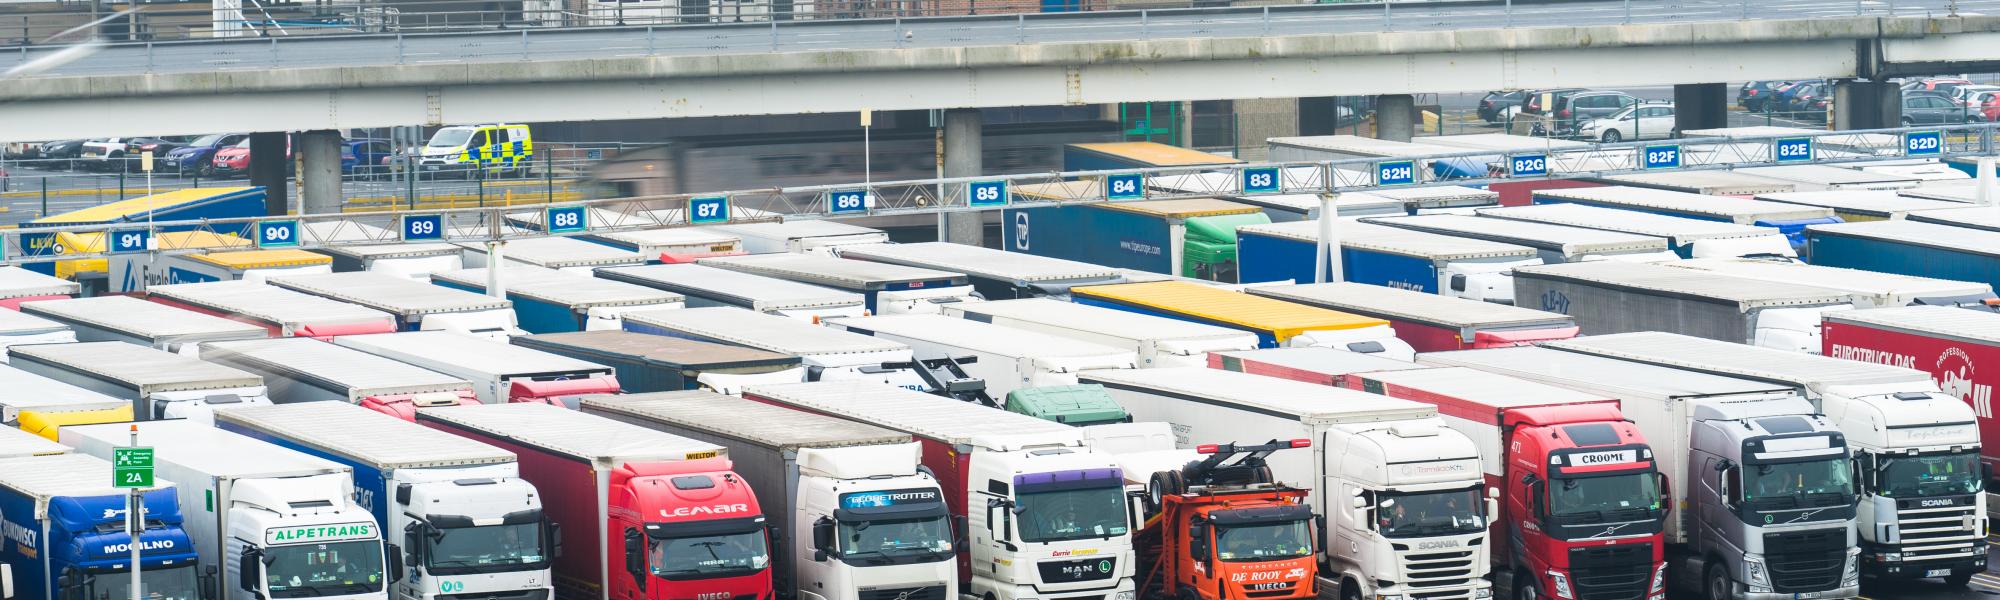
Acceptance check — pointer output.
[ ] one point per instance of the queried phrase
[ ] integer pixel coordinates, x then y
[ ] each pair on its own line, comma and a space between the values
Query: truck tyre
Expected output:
1263, 475
1958, 579
1525, 587
1349, 589
1156, 490
1715, 581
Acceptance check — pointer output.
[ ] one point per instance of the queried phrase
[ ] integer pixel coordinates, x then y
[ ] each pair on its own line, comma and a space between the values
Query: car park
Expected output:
1753, 95
1493, 107
194, 157
1931, 110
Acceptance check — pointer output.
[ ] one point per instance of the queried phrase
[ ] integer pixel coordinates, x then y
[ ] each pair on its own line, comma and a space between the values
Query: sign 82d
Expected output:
1923, 143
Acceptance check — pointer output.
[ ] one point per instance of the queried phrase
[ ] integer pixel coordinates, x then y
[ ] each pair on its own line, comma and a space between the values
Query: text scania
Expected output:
1874, 356
691, 511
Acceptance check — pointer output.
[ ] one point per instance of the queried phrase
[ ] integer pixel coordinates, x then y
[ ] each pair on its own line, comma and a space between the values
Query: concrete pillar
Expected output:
267, 168
319, 172
1701, 106
1867, 105
962, 158
1395, 117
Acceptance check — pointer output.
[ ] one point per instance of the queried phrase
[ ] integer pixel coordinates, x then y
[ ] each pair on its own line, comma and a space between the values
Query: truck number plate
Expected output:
1938, 573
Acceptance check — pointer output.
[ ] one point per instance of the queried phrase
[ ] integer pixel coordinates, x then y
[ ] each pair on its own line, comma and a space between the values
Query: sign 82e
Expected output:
1793, 150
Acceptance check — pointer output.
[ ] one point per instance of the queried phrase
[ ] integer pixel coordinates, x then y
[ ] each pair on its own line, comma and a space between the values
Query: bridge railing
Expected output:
31, 244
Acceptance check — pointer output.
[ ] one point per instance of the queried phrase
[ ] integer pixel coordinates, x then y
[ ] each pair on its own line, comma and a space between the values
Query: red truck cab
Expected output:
559, 392
404, 406
1555, 455
687, 530
1222, 530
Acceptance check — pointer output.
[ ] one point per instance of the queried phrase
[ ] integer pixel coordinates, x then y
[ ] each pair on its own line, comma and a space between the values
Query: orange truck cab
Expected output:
1222, 530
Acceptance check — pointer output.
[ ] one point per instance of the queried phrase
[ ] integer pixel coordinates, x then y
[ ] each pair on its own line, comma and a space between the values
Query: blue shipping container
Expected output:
1908, 248
1371, 254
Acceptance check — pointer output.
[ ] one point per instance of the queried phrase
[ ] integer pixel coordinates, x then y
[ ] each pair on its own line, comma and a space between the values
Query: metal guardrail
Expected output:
933, 196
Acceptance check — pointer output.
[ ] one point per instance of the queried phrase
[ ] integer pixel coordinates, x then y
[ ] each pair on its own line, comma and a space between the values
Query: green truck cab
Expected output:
1078, 405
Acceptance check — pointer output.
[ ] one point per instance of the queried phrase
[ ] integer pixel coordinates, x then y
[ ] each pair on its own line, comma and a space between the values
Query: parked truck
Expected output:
66, 535
995, 274
813, 236
826, 353
299, 370
500, 373
18, 328
660, 516
1707, 183
417, 306
1790, 219
1608, 297
1379, 255
15, 443
134, 273
569, 256
1814, 178
1189, 238
1908, 248
39, 405
1276, 323
134, 321
1107, 156
1047, 517
885, 288
551, 301
1970, 216
1158, 341
1075, 405
158, 384
1370, 455
1323, 366
1915, 448
1760, 485
1429, 322
1222, 533
281, 312
279, 523
863, 517
658, 363
470, 525
1552, 243
1868, 289
705, 286
182, 206
19, 285
1863, 205
672, 244
1005, 358
1689, 238
1950, 344
1584, 507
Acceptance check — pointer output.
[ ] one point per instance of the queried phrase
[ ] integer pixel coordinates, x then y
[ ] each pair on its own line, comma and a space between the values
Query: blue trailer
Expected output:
1379, 255
1908, 248
1110, 156
178, 205
1187, 238
1790, 219
551, 301
65, 534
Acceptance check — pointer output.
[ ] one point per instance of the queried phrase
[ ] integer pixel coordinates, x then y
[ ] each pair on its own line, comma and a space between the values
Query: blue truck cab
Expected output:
64, 527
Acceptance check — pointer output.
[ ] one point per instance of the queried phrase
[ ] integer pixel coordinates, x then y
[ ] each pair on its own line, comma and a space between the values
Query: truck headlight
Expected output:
1889, 557
1757, 576
1485, 592
1851, 575
1660, 578
1124, 595
1562, 584
1389, 597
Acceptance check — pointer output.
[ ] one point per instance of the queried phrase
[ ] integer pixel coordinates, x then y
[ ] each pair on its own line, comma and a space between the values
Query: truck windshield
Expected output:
1802, 484
331, 569
1930, 475
1627, 497
486, 549
1430, 513
895, 541
702, 557
1263, 541
163, 584
1074, 514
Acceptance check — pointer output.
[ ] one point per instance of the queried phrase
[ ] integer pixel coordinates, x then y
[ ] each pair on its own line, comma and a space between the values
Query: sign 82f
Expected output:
277, 234
712, 209
1399, 172
1125, 187
1661, 157
1923, 143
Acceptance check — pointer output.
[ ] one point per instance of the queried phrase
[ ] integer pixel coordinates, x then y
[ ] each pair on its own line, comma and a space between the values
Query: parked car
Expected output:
1537, 102
1582, 107
1984, 105
1784, 99
1930, 110
1752, 96
1638, 122
363, 156
61, 149
1963, 94
1493, 107
194, 157
1807, 99
1942, 84
1932, 93
234, 161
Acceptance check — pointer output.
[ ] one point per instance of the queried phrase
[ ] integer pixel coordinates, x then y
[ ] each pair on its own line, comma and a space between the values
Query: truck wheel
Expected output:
1525, 587
1715, 581
1349, 590
1958, 579
1156, 489
1262, 475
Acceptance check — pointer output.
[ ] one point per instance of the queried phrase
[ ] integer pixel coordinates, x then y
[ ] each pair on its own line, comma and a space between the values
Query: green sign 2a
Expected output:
132, 467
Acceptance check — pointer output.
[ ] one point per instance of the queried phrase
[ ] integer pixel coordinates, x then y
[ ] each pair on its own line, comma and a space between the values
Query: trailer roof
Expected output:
479, 354
1942, 321
926, 415
1963, 239
1364, 146
1736, 210
1382, 238
1156, 154
48, 476
761, 331
378, 440
668, 351
1956, 190
984, 337
1598, 370
16, 282
793, 230
756, 422
1410, 305
335, 365
1504, 142
1969, 217
1737, 360
606, 442
19, 323
575, 291
672, 236
980, 262
1439, 196
390, 245
1316, 359
137, 366
1210, 303
1828, 175
1680, 229
1746, 293
559, 252
201, 447
1881, 203
398, 295
1181, 209
15, 443
1297, 399
261, 259
1854, 280
1546, 236
756, 291
267, 303
150, 320
1095, 319
28, 391
1473, 391
841, 273
1703, 182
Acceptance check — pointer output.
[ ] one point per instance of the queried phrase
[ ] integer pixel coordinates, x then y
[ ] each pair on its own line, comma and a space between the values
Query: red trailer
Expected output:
1432, 322
1315, 364
1959, 347
637, 503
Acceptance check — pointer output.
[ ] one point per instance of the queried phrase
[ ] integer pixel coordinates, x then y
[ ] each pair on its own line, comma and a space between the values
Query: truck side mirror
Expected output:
249, 569
1540, 490
822, 542
395, 566
635, 557
1666, 493
413, 547
209, 586
1198, 541
961, 525
1003, 532
555, 540
7, 581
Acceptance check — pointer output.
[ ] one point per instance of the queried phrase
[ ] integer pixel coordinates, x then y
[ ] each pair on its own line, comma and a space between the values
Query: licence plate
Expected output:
1938, 573
90, 154
430, 167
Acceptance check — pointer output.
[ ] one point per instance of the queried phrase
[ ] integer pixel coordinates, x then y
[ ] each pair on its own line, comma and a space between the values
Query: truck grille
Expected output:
1269, 590
1611, 572
1806, 561
1937, 528
1425, 570
929, 592
506, 595
1072, 571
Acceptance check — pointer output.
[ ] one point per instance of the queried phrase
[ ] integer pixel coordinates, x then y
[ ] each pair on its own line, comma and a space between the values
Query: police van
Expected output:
497, 149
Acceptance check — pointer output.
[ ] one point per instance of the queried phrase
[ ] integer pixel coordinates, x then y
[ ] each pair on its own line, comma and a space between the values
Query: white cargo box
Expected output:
131, 320
1158, 341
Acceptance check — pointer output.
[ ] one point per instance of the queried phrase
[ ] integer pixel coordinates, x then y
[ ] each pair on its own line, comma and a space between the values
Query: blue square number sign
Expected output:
1528, 165
1129, 186
847, 201
1923, 143
711, 209
423, 227
1262, 180
986, 193
277, 234
127, 241
1791, 150
1662, 157
565, 219
1396, 172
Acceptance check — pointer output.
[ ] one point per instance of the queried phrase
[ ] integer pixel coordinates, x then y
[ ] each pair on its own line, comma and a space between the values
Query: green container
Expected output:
1079, 405
1210, 247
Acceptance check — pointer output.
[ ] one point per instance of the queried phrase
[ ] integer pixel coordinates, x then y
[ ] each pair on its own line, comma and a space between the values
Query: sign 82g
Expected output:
1528, 165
